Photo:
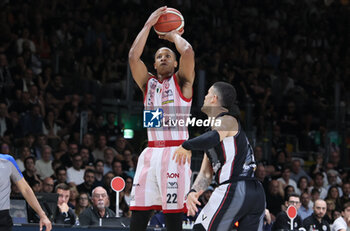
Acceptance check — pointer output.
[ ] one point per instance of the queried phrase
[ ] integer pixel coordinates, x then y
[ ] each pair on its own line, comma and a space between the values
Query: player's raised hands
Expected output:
192, 202
155, 16
171, 35
182, 155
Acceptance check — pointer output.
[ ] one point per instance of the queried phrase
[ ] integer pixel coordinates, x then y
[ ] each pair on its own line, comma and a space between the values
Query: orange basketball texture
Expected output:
171, 20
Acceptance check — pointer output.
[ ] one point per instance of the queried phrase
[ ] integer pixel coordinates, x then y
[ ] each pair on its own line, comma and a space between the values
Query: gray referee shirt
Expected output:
8, 169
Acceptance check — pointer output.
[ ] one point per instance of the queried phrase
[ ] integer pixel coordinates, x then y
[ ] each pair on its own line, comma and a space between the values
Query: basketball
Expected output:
172, 19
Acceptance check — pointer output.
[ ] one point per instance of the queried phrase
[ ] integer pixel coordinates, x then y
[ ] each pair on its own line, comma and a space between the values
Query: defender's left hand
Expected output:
181, 155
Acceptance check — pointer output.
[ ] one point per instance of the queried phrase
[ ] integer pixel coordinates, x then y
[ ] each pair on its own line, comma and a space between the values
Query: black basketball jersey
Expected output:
233, 158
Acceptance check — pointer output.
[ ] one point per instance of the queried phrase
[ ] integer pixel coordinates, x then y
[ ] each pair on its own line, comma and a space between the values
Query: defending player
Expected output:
159, 182
228, 155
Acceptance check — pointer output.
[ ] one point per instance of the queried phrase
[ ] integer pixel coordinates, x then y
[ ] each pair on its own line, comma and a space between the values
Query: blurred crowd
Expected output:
57, 58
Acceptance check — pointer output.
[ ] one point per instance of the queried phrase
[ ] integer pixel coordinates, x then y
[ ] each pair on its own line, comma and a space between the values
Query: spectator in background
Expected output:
297, 171
121, 144
99, 169
6, 82
45, 78
333, 194
288, 190
57, 91
318, 166
99, 209
87, 158
329, 213
61, 175
89, 180
24, 153
31, 122
305, 209
40, 142
88, 142
44, 165
107, 178
128, 164
50, 128
83, 203
282, 220
274, 198
118, 169
316, 221
5, 148
318, 185
111, 130
61, 150
98, 152
63, 214
259, 155
315, 195
343, 223
73, 196
66, 159
302, 185
332, 176
279, 163
48, 185
24, 41
127, 190
75, 174
260, 174
36, 186
30, 172
346, 193
285, 179
108, 159
5, 122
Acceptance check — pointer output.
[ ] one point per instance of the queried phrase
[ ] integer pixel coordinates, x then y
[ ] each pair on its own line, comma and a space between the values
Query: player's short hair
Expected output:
226, 93
168, 49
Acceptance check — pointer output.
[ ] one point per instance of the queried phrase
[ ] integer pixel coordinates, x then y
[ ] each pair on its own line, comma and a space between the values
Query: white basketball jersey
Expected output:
167, 95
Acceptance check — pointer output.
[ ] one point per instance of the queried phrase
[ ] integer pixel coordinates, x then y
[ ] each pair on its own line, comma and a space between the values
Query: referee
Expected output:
9, 170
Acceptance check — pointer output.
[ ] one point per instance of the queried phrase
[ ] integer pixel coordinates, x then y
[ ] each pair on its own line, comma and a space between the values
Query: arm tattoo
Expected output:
202, 182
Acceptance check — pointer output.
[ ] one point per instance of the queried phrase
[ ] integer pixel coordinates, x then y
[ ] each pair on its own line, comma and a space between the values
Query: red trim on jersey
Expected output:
145, 93
180, 92
164, 143
222, 203
158, 207
183, 210
144, 208
161, 81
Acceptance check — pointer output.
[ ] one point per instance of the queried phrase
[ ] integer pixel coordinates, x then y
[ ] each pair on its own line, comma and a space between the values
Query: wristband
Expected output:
192, 190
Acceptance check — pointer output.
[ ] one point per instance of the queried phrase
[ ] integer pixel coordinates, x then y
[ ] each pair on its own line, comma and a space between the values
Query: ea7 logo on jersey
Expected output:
172, 185
152, 118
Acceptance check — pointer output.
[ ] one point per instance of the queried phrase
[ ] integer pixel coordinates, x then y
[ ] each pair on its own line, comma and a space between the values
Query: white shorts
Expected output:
160, 183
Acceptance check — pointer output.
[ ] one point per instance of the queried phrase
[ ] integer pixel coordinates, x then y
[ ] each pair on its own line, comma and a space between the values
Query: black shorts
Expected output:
242, 201
5, 220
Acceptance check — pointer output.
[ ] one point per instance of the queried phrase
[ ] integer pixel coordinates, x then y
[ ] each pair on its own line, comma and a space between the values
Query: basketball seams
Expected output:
175, 12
